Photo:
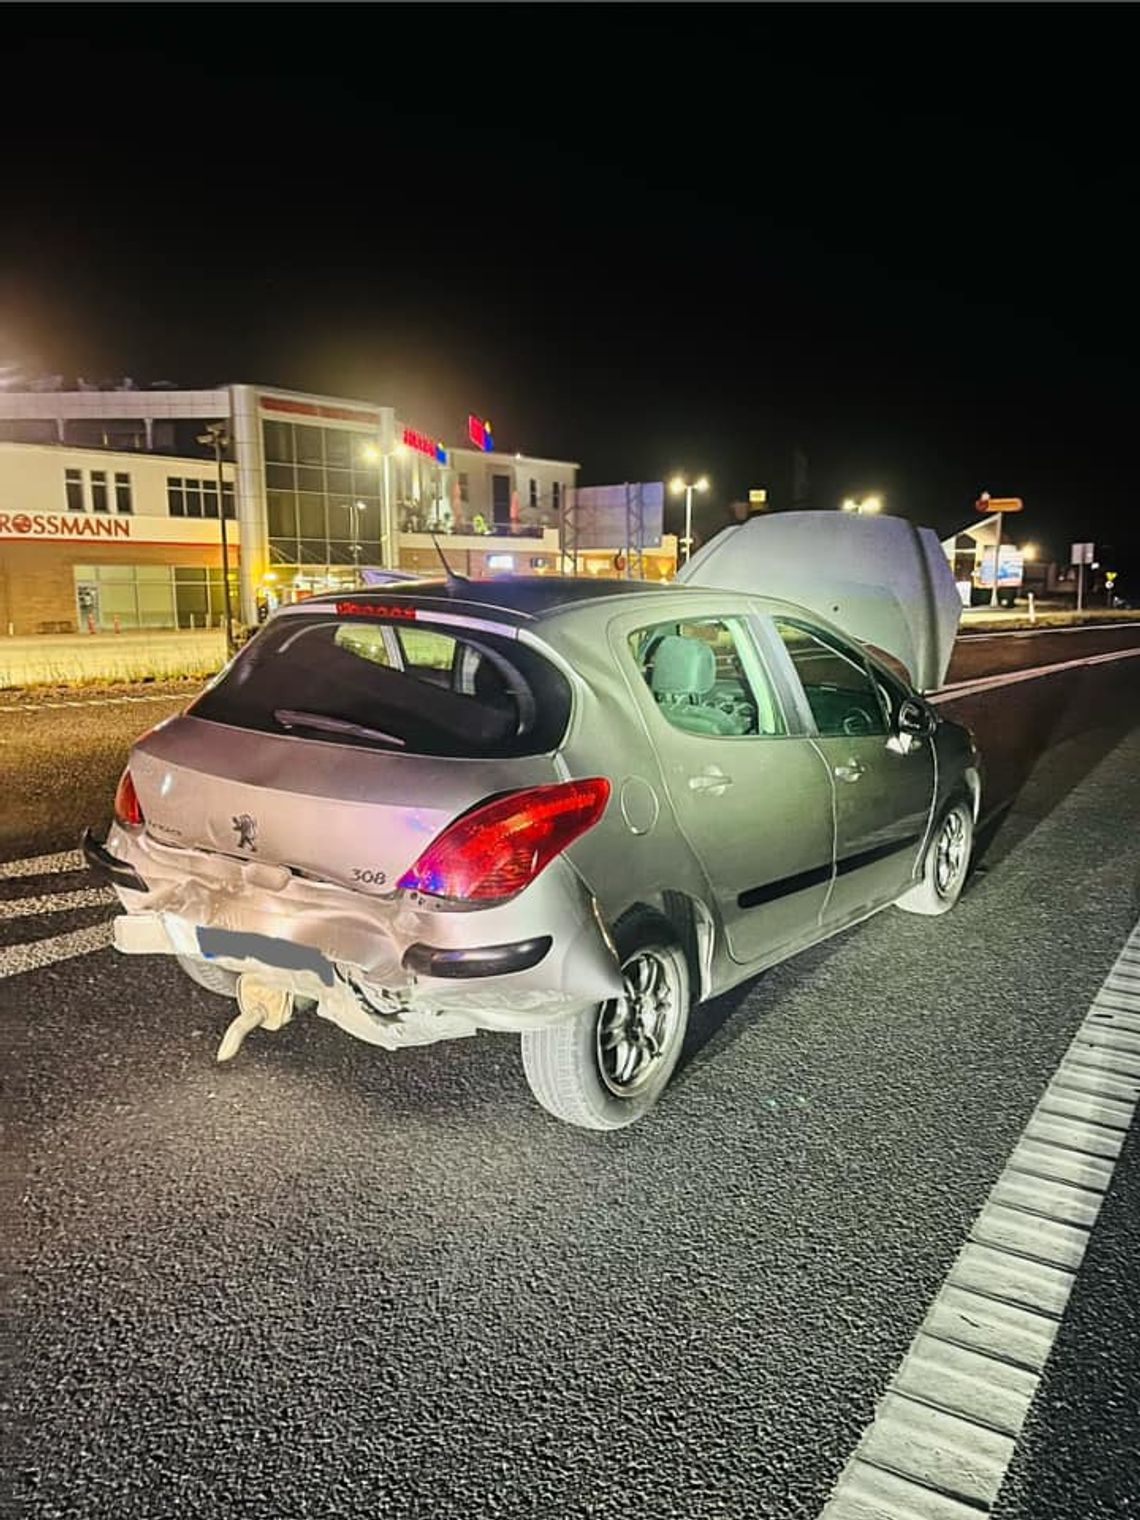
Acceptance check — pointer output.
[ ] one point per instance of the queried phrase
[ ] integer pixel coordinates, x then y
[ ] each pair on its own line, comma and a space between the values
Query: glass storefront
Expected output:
323, 496
150, 596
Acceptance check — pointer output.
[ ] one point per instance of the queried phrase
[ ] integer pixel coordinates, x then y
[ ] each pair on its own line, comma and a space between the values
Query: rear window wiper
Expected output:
289, 717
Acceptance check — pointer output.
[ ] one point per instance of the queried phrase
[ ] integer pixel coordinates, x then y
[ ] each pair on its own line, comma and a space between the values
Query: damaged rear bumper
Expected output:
391, 970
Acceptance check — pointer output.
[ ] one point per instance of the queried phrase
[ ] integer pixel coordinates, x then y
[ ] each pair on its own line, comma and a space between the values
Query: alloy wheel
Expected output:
635, 1032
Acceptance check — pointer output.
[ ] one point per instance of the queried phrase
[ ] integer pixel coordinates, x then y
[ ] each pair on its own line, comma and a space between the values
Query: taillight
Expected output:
127, 807
499, 848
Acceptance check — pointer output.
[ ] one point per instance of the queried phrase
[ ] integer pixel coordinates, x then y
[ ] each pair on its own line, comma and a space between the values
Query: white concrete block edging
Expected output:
946, 1428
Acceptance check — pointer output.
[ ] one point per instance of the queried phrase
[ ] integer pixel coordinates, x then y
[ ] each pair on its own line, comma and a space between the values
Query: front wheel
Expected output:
946, 863
608, 1065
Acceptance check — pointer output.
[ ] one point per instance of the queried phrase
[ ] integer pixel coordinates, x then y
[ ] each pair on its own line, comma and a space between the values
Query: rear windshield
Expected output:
399, 686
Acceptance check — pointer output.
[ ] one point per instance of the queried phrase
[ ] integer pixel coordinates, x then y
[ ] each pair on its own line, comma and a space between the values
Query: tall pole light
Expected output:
677, 485
217, 436
355, 508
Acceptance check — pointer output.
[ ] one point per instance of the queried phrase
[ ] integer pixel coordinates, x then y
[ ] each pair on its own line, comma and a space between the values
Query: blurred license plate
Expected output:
231, 944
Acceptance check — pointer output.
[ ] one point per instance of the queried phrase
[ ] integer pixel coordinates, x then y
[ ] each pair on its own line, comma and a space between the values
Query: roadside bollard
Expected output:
115, 623
1032, 609
90, 622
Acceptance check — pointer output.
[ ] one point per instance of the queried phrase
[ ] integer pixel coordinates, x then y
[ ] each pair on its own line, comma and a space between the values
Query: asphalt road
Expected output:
330, 1281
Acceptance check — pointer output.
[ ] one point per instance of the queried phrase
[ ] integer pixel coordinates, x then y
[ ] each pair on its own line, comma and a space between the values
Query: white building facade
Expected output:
112, 512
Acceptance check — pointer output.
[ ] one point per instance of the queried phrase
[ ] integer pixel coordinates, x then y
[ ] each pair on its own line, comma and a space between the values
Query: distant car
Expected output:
563, 808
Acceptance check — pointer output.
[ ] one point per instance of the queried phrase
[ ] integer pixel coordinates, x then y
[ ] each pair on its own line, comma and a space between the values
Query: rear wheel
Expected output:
607, 1067
946, 864
213, 978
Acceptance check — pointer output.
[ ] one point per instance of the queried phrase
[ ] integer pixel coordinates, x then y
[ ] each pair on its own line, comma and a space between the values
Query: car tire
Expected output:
213, 978
946, 864
605, 1069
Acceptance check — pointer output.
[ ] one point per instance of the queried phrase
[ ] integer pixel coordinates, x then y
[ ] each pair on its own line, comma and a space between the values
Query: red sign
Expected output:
51, 525
420, 442
479, 433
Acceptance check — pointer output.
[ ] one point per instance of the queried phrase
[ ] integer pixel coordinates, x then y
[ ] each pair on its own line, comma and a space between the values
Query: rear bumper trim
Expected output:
108, 866
487, 960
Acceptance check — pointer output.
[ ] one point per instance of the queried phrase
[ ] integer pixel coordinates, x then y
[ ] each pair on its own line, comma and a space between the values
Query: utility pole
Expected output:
217, 435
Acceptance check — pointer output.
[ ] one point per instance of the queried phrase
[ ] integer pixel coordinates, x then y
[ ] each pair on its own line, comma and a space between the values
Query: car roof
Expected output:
526, 596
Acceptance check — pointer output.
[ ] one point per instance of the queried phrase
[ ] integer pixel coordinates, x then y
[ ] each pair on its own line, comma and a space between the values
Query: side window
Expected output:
706, 678
843, 698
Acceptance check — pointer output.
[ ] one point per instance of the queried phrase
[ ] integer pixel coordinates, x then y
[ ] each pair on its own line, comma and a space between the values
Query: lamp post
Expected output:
217, 437
677, 485
867, 504
355, 507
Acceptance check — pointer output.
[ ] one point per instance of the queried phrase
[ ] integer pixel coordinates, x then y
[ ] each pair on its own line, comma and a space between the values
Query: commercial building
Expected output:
113, 502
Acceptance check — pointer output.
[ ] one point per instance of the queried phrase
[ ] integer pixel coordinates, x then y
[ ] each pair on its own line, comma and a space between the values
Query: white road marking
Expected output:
34, 954
1011, 677
93, 702
42, 865
16, 959
946, 1428
59, 902
1033, 633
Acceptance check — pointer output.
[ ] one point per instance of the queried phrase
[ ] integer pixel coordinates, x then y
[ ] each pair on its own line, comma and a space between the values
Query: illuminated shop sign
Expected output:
423, 444
54, 526
48, 525
479, 432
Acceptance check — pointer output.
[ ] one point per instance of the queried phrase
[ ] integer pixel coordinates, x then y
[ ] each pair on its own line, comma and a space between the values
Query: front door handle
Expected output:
849, 772
712, 780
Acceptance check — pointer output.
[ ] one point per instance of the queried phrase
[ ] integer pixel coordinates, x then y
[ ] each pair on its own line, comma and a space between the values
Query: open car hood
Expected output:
881, 579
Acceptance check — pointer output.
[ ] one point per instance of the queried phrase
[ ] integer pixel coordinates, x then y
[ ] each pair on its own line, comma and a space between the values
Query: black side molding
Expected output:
106, 865
488, 960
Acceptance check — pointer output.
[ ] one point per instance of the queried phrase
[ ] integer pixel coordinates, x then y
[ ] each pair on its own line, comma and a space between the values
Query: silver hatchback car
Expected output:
562, 808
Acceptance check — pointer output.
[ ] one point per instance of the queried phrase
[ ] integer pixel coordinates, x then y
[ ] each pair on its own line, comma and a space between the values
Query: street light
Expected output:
677, 485
217, 437
868, 504
354, 507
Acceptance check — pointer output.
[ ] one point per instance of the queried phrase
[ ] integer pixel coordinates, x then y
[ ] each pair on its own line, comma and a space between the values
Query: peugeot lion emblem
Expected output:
246, 826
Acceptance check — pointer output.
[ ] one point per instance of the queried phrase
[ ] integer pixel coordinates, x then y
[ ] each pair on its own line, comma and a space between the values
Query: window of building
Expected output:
534, 495
123, 502
556, 496
310, 448
278, 441
209, 498
193, 498
706, 678
175, 497
99, 501
228, 499
464, 486
338, 448
73, 487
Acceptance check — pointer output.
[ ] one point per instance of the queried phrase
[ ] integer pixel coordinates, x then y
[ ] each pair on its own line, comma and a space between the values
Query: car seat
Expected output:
684, 674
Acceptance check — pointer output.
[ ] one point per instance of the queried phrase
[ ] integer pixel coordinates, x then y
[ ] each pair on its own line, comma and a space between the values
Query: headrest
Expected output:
683, 666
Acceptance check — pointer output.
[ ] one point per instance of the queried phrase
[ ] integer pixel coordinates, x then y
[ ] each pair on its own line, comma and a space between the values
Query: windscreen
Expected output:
402, 686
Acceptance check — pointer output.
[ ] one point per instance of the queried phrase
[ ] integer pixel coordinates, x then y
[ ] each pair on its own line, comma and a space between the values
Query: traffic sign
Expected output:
991, 504
1082, 554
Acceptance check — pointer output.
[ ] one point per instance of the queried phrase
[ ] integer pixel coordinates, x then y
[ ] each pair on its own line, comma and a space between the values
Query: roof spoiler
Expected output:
881, 579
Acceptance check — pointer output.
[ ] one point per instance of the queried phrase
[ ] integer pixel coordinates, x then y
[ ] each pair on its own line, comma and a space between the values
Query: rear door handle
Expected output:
849, 772
712, 780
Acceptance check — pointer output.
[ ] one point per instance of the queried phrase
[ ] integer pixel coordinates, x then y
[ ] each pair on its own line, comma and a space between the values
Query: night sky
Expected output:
898, 239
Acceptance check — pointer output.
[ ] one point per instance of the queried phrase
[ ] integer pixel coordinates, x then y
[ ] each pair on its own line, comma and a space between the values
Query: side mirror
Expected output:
914, 718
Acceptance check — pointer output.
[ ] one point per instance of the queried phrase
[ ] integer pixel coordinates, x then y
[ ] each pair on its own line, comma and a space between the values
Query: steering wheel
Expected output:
857, 722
